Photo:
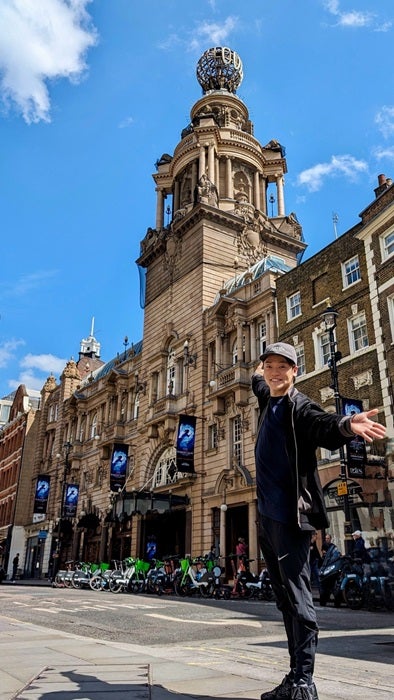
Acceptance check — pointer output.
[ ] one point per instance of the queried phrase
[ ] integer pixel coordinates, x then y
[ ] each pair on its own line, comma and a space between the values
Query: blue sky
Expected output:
93, 93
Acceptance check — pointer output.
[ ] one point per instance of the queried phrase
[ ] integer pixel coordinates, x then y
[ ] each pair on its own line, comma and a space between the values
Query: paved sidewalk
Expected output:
44, 664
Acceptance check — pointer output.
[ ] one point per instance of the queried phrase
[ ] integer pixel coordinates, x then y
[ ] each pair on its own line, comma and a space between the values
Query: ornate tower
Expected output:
214, 190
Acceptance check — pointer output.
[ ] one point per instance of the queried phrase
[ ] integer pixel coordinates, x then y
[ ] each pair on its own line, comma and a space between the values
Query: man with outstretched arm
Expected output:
290, 500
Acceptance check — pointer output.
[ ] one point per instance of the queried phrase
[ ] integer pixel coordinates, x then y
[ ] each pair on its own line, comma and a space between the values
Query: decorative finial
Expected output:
219, 68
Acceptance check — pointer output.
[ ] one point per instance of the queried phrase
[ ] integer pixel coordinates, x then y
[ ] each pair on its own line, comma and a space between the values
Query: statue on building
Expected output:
206, 192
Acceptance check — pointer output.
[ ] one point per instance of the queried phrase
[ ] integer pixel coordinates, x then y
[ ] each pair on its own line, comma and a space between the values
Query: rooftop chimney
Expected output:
383, 184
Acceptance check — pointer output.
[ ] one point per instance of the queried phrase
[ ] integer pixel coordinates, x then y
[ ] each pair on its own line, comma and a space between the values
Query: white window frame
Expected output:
352, 329
387, 245
171, 371
321, 358
236, 441
213, 437
263, 338
351, 272
293, 305
136, 405
93, 426
300, 352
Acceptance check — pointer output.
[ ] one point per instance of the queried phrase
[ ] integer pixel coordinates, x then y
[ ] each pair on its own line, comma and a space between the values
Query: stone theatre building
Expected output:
223, 278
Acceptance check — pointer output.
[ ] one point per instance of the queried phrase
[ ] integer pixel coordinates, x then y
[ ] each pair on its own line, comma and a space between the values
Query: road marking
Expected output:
246, 623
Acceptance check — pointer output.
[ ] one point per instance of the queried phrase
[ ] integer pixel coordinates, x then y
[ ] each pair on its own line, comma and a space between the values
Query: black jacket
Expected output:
308, 427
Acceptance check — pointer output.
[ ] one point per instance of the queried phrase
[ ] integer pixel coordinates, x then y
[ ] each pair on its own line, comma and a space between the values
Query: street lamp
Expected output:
330, 321
67, 468
67, 449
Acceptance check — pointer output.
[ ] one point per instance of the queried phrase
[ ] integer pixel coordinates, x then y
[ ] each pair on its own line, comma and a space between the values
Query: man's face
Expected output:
279, 374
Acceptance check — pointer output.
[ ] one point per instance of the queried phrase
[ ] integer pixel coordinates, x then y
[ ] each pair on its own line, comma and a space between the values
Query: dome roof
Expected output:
270, 262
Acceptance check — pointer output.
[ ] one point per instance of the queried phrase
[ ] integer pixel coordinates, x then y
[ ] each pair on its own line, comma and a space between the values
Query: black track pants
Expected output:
286, 553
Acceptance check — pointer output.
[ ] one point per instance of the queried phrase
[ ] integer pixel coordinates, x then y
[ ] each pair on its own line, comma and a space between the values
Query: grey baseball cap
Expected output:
283, 349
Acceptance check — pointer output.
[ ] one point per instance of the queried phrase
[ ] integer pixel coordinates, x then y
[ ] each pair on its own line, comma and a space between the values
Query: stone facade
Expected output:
221, 278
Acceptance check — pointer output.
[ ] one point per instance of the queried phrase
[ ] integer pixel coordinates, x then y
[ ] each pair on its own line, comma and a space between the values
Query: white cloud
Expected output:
385, 121
49, 364
39, 42
126, 122
214, 33
26, 283
339, 166
7, 349
29, 380
205, 33
36, 369
353, 18
381, 153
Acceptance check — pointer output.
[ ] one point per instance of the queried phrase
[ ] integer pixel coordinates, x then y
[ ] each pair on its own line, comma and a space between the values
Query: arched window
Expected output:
234, 353
171, 371
136, 407
166, 471
93, 426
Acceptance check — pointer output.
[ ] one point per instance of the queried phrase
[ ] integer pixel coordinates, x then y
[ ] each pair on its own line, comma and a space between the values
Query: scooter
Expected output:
330, 576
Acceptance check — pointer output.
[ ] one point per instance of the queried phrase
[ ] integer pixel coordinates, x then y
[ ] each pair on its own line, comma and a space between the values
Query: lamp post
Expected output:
330, 321
67, 449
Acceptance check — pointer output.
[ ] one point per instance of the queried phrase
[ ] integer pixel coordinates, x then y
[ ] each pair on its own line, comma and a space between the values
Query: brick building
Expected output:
353, 275
17, 450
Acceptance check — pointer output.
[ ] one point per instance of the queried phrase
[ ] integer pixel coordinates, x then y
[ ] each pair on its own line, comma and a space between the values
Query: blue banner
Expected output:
70, 500
185, 444
42, 493
119, 462
355, 447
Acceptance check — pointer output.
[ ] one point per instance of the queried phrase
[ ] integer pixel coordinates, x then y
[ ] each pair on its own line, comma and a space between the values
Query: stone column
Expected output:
264, 197
194, 177
201, 162
280, 194
211, 163
254, 547
246, 333
229, 178
252, 340
222, 540
257, 190
159, 209
176, 195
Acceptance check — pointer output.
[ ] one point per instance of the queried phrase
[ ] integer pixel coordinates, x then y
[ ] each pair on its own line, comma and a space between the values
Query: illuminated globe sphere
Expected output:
219, 68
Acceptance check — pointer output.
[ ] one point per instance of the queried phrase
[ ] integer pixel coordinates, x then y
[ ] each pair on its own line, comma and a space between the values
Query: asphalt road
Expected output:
153, 620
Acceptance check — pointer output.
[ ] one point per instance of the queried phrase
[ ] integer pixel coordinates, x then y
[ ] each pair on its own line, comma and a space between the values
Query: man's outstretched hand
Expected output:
362, 425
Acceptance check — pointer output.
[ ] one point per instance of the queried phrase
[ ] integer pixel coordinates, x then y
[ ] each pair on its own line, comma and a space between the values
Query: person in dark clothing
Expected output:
15, 564
290, 500
359, 550
326, 543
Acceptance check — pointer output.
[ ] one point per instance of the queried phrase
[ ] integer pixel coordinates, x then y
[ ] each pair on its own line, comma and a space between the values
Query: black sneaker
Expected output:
303, 691
281, 692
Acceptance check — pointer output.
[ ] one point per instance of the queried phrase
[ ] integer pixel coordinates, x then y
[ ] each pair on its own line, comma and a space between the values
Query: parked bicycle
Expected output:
100, 579
192, 578
130, 576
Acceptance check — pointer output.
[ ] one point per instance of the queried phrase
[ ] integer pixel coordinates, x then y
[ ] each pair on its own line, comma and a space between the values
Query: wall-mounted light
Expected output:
188, 359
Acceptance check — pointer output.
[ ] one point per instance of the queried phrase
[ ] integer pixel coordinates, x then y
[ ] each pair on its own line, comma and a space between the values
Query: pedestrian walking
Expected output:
15, 564
290, 500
